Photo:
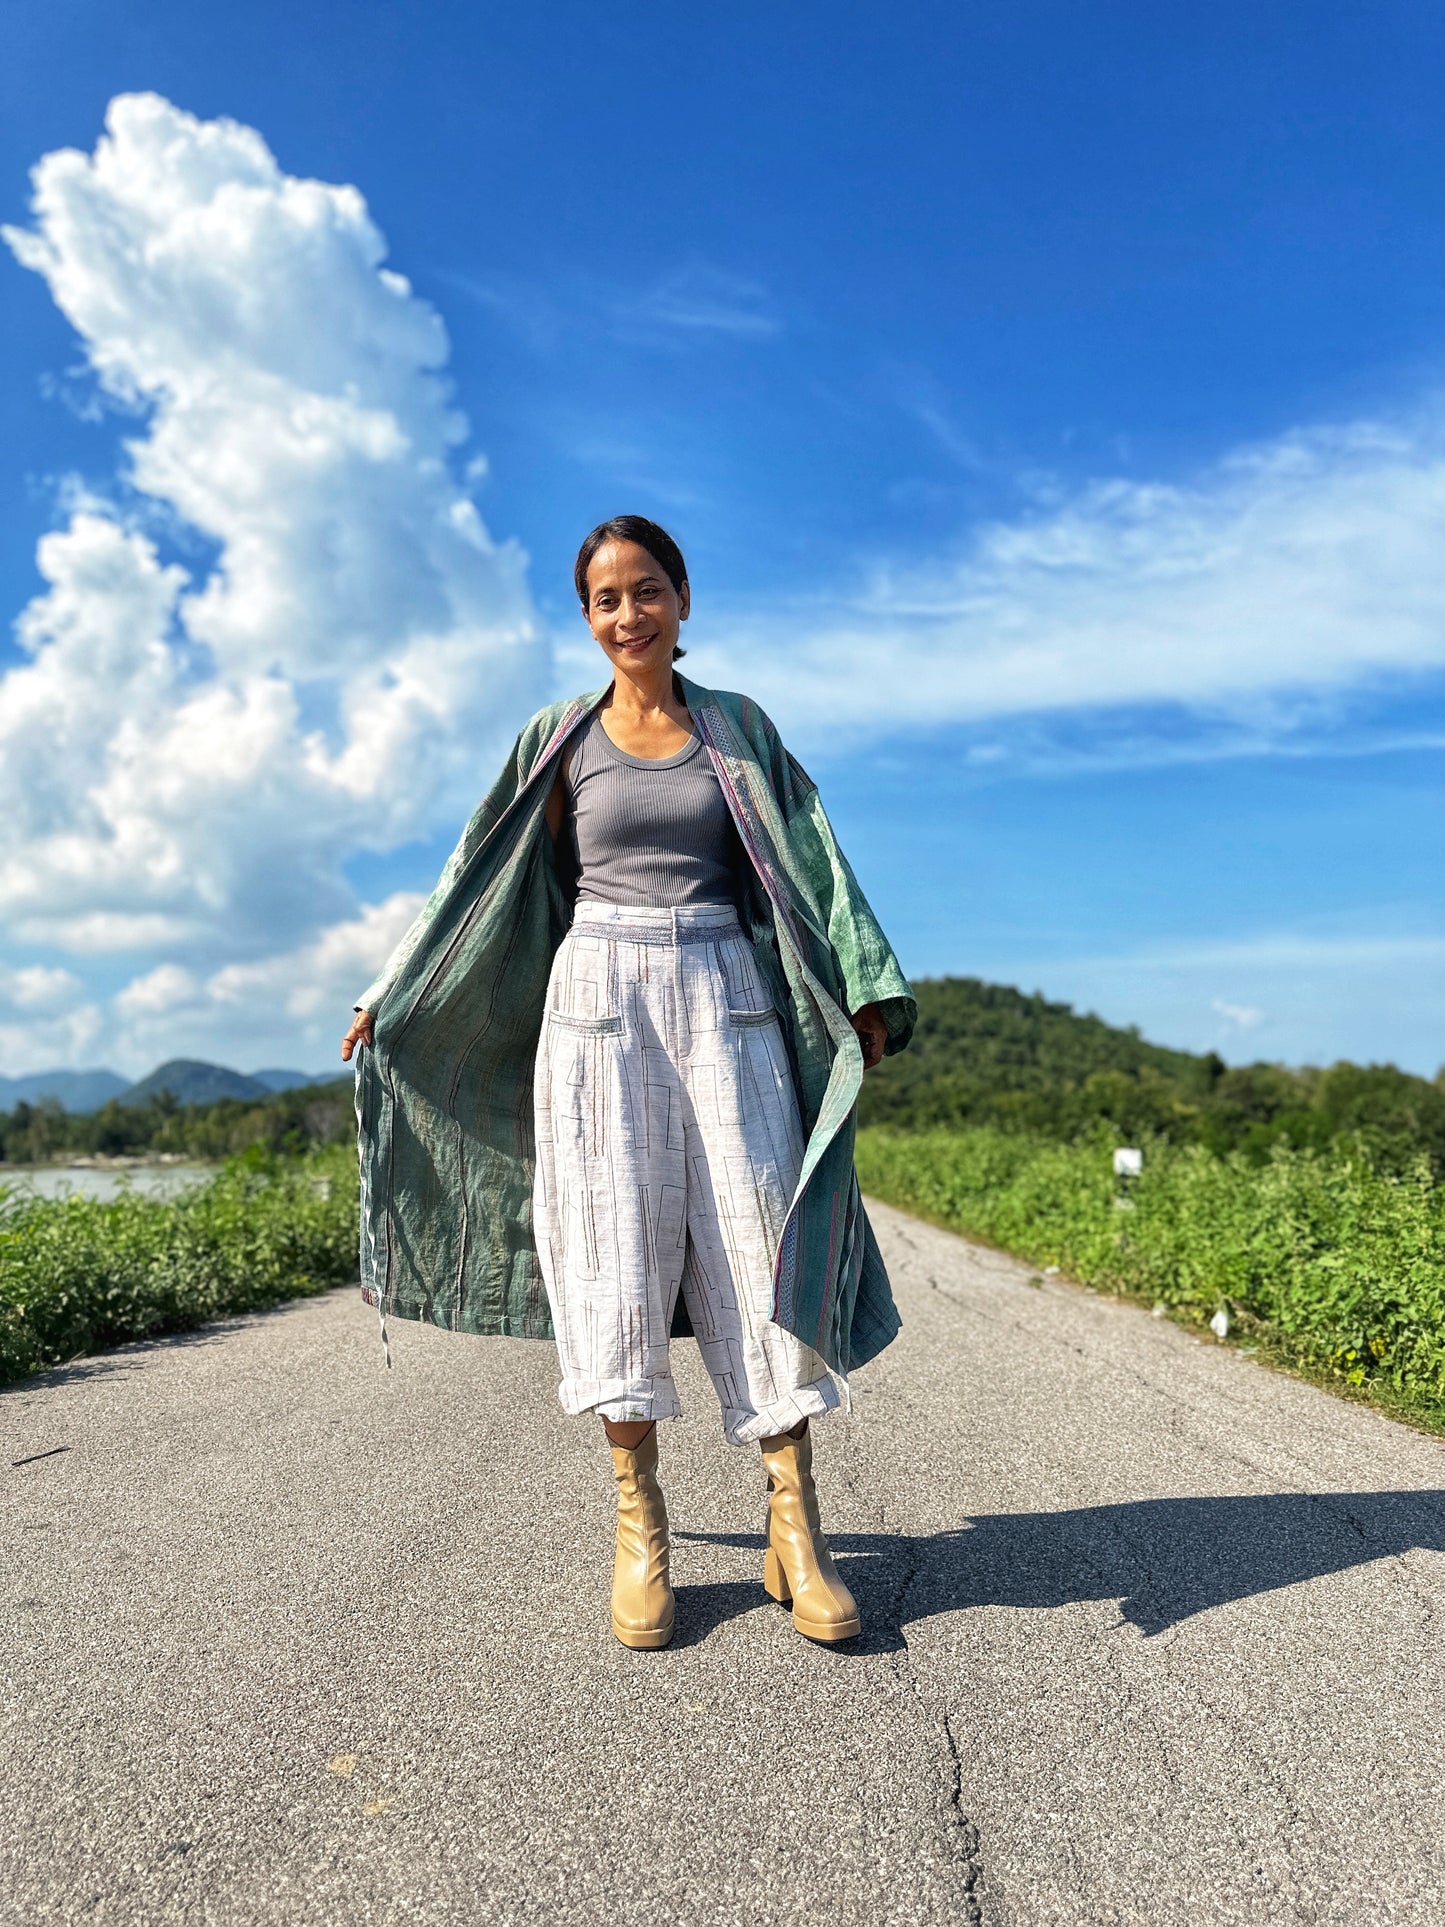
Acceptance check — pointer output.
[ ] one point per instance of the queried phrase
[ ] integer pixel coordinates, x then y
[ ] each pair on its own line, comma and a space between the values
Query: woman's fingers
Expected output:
360, 1033
872, 1036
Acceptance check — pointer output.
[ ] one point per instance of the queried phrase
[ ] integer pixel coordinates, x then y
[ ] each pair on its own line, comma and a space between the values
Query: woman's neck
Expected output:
646, 694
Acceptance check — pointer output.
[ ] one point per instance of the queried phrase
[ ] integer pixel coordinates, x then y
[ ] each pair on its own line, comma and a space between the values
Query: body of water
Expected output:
91, 1181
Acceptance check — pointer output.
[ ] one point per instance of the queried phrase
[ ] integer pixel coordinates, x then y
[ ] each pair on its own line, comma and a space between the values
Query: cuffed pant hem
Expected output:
622, 1402
807, 1401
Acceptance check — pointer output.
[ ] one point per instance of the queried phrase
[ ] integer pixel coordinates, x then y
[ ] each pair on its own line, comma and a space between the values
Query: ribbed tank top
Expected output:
644, 830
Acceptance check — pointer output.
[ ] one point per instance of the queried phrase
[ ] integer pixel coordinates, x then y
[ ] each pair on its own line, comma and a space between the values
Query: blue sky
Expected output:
1048, 401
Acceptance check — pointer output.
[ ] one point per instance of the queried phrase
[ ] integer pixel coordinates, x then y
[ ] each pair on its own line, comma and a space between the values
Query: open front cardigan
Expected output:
444, 1096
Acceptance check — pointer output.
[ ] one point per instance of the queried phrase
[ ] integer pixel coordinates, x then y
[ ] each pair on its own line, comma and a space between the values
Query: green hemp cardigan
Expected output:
444, 1096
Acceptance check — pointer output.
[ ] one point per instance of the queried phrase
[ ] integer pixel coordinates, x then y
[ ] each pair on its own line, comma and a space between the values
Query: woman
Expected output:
610, 1078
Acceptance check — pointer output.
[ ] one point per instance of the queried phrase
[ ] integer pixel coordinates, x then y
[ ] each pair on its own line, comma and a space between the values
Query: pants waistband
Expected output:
646, 923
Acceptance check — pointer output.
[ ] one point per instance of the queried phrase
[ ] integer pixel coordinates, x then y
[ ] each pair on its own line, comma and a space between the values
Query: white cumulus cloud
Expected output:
190, 749
165, 988
287, 1008
36, 987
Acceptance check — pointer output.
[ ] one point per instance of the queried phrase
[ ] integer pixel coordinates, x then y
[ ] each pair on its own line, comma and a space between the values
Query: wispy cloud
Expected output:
1287, 950
700, 299
540, 314
1285, 579
686, 307
923, 399
1239, 1017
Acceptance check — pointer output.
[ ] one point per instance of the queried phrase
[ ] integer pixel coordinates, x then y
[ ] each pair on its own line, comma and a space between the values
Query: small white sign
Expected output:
1128, 1163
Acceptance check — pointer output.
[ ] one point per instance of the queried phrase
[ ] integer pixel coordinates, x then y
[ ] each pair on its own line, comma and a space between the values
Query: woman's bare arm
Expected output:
557, 795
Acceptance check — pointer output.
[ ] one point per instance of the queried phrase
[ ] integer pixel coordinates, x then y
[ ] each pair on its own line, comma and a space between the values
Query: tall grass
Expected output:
77, 1275
1321, 1259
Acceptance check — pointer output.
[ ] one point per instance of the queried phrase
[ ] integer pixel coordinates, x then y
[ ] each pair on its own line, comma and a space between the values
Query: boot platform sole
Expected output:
775, 1585
644, 1639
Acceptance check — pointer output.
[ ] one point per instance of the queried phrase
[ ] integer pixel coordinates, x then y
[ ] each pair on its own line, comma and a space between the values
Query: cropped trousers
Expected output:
668, 1150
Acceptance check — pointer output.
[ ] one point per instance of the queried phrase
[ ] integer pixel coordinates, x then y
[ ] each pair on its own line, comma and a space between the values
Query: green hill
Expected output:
191, 1082
987, 1054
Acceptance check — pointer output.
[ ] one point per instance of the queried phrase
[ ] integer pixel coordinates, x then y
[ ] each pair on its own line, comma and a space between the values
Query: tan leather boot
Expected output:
642, 1602
798, 1565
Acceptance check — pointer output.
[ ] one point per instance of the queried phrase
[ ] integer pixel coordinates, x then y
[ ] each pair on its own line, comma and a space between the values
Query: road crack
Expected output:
961, 1832
958, 1834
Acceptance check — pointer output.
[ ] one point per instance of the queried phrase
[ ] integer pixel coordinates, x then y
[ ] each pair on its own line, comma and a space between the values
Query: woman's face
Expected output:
632, 608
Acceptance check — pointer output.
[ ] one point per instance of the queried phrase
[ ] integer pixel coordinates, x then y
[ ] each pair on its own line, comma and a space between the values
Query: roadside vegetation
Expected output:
1306, 1206
1319, 1260
78, 1275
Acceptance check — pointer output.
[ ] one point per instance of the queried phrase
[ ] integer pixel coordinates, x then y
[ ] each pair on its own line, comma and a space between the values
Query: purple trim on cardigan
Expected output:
748, 825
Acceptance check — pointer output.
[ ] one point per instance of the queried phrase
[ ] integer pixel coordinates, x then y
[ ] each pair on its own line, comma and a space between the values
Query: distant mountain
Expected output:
288, 1080
78, 1091
190, 1082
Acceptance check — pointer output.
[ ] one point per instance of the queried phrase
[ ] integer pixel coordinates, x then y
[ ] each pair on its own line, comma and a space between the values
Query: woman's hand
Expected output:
872, 1034
360, 1033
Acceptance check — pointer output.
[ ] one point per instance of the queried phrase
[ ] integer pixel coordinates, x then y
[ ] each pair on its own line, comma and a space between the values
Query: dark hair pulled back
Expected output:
647, 535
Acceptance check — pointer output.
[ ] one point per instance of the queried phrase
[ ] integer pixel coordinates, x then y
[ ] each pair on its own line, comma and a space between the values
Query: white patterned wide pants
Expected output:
668, 1150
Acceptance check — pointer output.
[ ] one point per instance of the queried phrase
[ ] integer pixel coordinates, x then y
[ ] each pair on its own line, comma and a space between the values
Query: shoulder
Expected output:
539, 729
547, 720
759, 735
744, 712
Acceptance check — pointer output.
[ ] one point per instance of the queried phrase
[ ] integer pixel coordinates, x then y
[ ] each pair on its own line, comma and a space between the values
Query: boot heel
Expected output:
775, 1580
823, 1607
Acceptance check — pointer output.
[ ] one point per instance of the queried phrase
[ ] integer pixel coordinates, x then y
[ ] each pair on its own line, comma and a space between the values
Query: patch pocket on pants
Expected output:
751, 1019
585, 1026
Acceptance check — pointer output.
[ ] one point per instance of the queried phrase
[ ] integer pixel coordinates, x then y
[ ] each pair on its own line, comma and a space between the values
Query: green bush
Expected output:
77, 1275
1322, 1259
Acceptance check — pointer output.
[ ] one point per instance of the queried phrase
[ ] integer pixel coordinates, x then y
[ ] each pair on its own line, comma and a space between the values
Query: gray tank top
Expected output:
648, 831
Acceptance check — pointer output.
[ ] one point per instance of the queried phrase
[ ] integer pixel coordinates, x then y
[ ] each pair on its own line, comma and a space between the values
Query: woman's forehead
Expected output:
618, 562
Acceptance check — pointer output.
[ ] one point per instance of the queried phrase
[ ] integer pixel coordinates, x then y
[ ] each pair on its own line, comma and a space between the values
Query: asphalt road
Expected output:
1151, 1635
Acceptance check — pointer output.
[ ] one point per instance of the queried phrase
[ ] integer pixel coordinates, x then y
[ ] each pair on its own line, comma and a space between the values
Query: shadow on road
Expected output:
1163, 1559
